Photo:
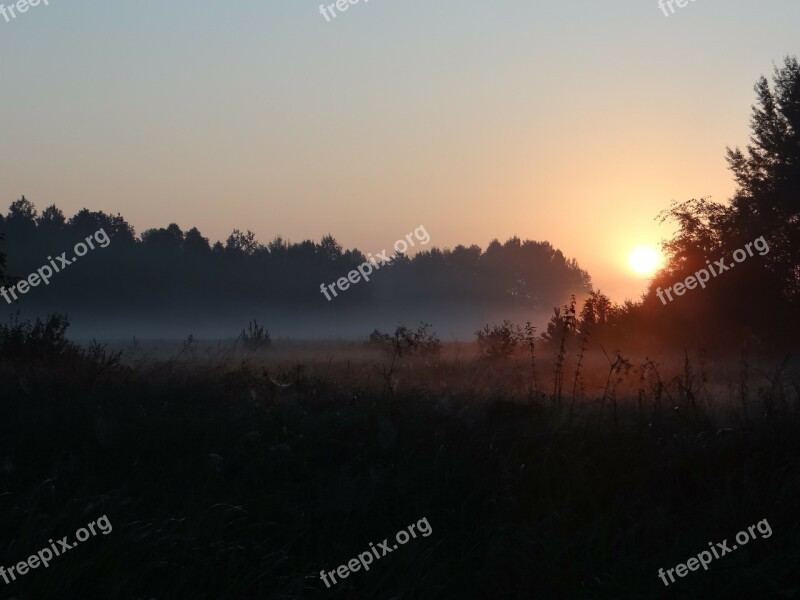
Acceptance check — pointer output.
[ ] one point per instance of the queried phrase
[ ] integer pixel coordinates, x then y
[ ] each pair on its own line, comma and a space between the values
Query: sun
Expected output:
644, 260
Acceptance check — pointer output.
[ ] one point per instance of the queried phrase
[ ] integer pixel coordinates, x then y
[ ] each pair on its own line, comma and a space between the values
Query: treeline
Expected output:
171, 268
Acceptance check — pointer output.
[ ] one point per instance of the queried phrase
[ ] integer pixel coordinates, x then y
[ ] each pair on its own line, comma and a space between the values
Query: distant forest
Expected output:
171, 267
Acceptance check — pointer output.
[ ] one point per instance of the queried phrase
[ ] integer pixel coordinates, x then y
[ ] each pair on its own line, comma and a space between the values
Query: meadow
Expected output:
231, 471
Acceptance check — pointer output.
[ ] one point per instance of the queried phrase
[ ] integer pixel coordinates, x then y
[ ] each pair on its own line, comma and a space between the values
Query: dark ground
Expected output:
220, 484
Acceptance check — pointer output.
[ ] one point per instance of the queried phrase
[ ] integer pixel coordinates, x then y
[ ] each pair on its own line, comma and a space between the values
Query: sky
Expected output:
575, 122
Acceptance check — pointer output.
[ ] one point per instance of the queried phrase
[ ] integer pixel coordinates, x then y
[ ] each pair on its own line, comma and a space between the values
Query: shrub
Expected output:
23, 340
422, 342
499, 341
256, 337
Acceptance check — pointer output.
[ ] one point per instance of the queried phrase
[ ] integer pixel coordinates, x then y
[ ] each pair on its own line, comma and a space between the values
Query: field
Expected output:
229, 473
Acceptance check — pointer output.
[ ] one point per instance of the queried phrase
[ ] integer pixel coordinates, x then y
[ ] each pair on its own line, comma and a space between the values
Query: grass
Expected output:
221, 484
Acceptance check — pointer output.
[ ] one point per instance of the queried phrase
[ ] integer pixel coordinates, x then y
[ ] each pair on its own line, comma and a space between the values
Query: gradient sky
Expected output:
572, 121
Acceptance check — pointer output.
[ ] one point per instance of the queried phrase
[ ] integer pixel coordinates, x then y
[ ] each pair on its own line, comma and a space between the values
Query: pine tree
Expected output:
767, 201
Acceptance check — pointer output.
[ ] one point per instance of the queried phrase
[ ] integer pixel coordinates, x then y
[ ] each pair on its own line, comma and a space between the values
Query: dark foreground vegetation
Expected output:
244, 475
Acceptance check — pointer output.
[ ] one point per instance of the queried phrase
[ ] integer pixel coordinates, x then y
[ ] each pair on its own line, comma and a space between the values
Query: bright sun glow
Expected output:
645, 260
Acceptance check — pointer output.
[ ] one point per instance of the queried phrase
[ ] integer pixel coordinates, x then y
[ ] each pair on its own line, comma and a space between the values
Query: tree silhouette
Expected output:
768, 174
761, 296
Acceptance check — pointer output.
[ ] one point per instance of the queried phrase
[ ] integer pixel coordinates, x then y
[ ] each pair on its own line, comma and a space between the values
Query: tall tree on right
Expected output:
762, 295
767, 201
